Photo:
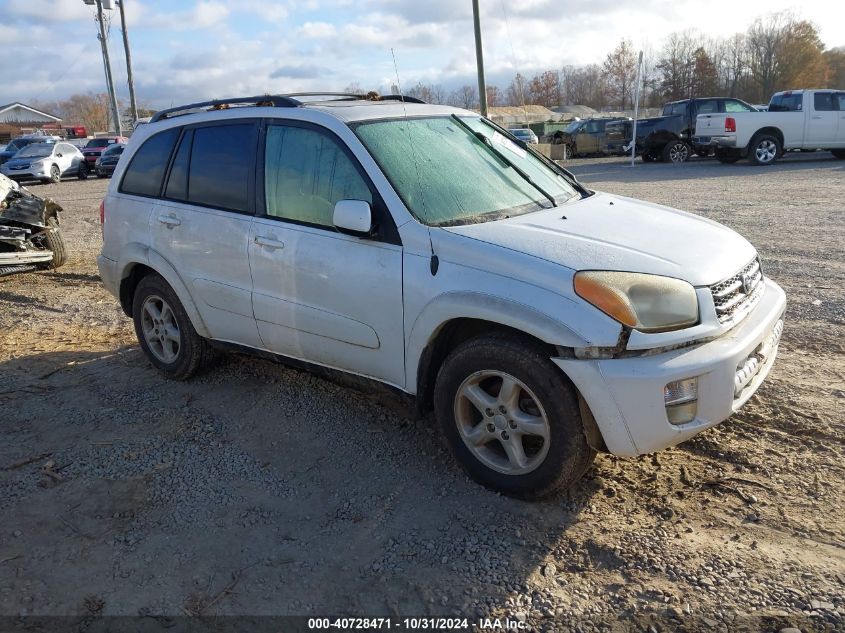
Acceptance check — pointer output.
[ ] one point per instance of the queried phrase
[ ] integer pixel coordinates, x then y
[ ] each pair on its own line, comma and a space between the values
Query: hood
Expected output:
607, 232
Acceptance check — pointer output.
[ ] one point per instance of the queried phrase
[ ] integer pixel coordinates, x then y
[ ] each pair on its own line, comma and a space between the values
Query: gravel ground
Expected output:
263, 490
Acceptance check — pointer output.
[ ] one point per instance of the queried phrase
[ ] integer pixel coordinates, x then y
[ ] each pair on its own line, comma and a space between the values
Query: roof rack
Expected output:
290, 100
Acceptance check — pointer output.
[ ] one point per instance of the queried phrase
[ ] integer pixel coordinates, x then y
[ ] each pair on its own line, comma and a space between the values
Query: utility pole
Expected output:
479, 58
107, 63
132, 102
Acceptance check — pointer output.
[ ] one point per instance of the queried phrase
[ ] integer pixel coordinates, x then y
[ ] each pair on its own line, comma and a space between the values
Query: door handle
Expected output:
269, 242
169, 220
817, 116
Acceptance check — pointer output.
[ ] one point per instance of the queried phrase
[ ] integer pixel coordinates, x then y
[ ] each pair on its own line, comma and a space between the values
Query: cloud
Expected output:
307, 71
203, 15
47, 10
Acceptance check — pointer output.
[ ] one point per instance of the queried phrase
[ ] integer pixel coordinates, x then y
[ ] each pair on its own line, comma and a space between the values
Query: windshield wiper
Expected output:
489, 145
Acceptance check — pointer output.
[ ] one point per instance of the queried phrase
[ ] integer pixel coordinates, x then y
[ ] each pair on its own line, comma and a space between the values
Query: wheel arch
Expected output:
774, 131
134, 271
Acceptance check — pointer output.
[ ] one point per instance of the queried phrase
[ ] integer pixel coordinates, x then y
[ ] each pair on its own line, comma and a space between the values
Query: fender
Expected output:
478, 305
135, 253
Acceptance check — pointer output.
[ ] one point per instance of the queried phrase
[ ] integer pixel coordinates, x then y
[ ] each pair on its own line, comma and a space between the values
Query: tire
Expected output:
82, 173
727, 156
55, 174
176, 355
648, 157
549, 460
676, 152
838, 153
54, 241
764, 149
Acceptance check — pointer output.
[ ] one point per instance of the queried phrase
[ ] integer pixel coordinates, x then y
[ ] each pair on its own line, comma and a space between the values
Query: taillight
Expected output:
102, 214
730, 124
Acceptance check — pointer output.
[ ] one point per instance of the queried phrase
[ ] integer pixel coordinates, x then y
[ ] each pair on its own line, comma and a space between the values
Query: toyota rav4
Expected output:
426, 248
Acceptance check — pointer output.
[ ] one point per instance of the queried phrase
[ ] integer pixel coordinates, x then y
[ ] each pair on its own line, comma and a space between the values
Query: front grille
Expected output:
735, 296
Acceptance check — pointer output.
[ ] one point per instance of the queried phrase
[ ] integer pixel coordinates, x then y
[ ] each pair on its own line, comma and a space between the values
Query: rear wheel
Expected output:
55, 174
676, 152
648, 157
165, 331
511, 417
764, 150
82, 174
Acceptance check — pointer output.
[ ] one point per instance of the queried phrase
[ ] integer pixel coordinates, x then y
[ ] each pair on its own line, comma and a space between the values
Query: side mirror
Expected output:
353, 217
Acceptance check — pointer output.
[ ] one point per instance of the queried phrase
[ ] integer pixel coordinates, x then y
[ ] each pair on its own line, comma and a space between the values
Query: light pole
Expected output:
106, 61
132, 102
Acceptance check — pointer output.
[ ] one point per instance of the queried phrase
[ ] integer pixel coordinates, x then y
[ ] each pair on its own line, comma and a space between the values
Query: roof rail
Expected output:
290, 100
279, 101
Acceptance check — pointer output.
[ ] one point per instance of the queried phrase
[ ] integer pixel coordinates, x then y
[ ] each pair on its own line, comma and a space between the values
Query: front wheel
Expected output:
510, 417
165, 331
82, 174
55, 174
764, 150
676, 152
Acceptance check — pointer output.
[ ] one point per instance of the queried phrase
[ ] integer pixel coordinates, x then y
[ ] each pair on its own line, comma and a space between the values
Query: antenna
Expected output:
513, 55
435, 262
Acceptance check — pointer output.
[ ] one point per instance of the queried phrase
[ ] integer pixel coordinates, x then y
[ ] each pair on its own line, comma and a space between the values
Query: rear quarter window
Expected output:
146, 170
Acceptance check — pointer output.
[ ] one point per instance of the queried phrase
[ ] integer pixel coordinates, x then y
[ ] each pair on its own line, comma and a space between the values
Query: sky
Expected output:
191, 50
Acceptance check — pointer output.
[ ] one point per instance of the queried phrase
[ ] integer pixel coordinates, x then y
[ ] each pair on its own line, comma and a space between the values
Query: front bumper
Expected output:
625, 395
715, 141
32, 172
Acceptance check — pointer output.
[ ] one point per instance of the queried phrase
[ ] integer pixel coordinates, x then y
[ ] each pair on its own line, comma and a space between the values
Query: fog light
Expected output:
681, 400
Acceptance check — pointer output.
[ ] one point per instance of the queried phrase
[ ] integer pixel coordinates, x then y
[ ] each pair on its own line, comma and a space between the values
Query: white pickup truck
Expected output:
797, 119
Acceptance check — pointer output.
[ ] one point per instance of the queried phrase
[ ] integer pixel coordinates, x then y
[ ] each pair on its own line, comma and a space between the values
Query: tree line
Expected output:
776, 52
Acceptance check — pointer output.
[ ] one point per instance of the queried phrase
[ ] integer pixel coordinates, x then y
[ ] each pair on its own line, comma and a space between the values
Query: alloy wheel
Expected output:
161, 331
502, 422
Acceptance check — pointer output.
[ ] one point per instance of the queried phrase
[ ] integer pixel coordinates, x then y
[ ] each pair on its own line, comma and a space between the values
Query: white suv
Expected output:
423, 247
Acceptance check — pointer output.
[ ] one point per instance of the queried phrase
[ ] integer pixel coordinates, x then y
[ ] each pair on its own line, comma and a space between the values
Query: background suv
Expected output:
419, 247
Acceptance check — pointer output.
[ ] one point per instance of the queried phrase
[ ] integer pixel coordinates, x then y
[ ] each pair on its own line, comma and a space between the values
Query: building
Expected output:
19, 118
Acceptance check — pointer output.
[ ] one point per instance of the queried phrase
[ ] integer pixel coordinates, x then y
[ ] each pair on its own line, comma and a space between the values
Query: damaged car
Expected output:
30, 237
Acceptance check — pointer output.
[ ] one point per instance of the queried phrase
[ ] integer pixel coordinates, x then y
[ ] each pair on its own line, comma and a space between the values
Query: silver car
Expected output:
525, 134
46, 162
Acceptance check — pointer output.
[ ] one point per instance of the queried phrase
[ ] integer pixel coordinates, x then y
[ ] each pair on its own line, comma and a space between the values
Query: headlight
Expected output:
649, 303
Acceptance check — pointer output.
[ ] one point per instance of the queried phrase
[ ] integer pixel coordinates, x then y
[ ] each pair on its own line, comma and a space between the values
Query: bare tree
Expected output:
620, 67
544, 89
465, 97
494, 96
518, 91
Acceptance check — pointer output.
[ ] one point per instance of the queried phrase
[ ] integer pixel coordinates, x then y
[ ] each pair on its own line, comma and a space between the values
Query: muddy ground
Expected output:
259, 489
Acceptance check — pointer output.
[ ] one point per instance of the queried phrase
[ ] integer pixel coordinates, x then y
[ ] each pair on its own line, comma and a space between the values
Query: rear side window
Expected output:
824, 102
306, 173
146, 170
787, 103
177, 183
221, 162
841, 97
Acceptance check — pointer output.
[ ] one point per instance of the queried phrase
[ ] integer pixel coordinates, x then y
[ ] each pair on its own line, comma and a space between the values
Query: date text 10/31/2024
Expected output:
414, 624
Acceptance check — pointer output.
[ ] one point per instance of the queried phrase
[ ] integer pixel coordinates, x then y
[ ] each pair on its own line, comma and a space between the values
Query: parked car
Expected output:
94, 147
669, 137
46, 162
17, 144
796, 119
108, 160
541, 320
587, 136
762, 107
525, 134
30, 237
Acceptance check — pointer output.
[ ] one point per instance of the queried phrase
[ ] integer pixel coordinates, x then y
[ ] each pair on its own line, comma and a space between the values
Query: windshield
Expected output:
18, 143
573, 126
99, 142
35, 150
114, 150
447, 175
